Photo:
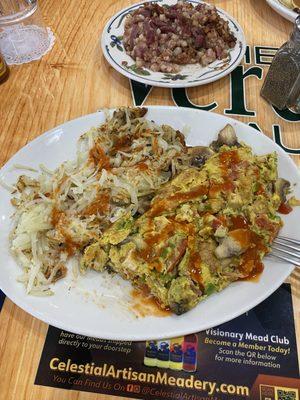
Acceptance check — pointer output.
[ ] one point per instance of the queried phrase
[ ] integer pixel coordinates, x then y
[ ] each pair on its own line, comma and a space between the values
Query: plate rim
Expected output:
282, 10
137, 78
19, 301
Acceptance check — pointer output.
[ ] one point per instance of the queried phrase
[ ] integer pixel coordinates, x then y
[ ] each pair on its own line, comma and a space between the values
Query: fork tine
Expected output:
290, 253
286, 245
286, 249
284, 238
289, 260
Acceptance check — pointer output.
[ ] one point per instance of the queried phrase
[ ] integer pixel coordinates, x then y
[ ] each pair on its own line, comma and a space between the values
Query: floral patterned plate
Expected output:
190, 75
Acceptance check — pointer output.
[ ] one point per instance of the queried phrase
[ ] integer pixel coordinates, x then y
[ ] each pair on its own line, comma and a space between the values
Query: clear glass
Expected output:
14, 11
23, 34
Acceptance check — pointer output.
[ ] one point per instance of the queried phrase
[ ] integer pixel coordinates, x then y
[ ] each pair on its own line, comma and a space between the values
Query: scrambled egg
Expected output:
211, 225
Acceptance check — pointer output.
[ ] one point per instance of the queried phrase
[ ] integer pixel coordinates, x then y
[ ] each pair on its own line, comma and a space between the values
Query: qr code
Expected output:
288, 394
268, 392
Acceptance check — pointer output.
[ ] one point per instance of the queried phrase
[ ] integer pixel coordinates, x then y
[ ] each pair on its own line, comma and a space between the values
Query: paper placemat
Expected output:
253, 353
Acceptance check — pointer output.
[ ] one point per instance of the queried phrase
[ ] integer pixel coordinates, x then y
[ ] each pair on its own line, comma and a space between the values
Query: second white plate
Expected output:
282, 10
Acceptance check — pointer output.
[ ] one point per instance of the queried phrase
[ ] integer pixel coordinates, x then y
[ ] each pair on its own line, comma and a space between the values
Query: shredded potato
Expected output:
118, 169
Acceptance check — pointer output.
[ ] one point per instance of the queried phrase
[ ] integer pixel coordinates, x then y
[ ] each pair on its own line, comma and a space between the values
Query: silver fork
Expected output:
286, 249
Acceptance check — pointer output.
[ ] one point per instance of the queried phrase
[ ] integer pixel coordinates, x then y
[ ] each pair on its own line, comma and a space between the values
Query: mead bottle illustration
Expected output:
150, 358
163, 354
176, 353
190, 349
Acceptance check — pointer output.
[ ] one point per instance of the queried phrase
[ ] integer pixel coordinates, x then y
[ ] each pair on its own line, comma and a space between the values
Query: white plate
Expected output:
97, 305
284, 11
190, 75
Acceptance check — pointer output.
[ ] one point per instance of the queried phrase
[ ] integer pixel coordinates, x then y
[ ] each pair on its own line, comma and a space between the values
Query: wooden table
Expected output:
73, 80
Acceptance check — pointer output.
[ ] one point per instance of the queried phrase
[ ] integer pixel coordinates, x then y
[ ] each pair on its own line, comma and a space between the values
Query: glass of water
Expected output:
23, 34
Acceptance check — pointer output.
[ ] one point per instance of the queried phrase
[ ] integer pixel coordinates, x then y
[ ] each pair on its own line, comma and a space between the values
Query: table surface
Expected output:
74, 79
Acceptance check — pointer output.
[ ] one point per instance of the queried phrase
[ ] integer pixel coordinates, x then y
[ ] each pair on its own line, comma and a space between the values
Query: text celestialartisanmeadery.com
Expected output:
128, 374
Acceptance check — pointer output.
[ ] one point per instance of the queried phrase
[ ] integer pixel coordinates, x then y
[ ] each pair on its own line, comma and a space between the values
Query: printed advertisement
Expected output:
253, 356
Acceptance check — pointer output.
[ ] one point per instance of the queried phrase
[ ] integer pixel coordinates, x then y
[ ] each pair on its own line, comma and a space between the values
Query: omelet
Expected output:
209, 226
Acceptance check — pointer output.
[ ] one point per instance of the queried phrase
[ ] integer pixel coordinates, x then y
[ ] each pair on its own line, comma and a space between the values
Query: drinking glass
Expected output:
23, 34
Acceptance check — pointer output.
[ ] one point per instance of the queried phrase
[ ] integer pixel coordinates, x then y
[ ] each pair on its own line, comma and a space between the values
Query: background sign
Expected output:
245, 84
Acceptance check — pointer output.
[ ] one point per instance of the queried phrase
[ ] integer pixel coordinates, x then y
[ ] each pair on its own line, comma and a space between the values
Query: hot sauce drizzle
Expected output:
99, 206
150, 253
121, 144
229, 158
228, 164
146, 305
99, 158
142, 166
173, 200
284, 208
57, 220
251, 264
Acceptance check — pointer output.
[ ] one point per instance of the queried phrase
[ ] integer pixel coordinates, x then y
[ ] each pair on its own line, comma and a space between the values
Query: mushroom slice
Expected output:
226, 136
236, 243
282, 187
133, 113
199, 155
137, 112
